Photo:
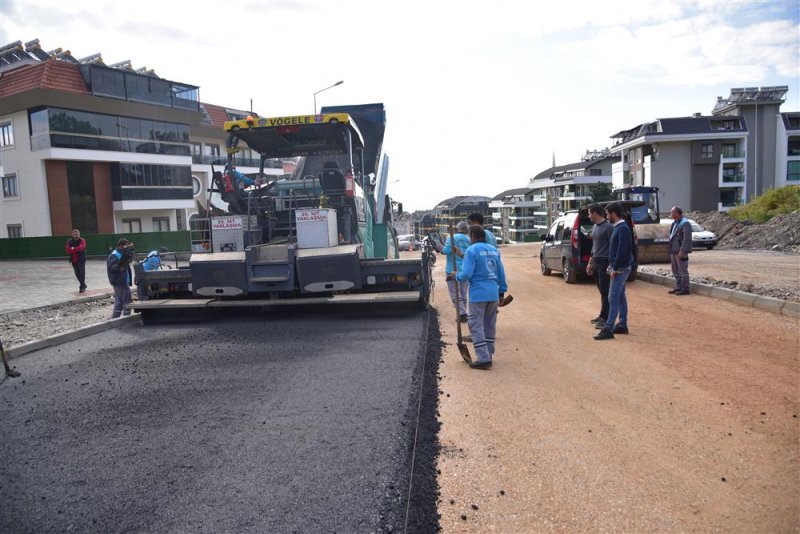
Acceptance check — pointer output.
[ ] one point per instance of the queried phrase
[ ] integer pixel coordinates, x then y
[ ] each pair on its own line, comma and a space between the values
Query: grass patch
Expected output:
773, 202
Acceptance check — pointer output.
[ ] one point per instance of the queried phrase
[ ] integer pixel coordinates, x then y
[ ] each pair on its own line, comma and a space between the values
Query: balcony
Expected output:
620, 167
733, 154
737, 178
207, 159
520, 218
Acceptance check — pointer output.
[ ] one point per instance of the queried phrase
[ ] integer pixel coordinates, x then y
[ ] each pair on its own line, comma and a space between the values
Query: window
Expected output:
794, 147
729, 151
14, 231
707, 151
211, 150
196, 149
6, 135
161, 224
196, 186
557, 231
131, 226
793, 171
10, 189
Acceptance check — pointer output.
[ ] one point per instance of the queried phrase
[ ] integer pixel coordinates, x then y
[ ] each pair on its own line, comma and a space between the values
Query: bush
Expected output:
773, 202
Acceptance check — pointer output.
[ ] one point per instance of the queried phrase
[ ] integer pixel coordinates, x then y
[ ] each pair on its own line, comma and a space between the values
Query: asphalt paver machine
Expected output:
320, 234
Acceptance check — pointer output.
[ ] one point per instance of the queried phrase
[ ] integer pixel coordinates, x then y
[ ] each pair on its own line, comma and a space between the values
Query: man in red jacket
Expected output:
76, 248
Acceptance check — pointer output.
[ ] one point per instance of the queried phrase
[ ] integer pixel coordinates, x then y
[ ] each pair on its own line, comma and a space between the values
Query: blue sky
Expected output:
479, 95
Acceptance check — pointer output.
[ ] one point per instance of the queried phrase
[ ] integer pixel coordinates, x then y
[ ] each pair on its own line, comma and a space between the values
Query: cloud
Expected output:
700, 50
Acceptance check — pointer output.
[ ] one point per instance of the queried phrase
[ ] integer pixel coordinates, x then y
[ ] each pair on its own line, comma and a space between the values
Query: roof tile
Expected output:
51, 74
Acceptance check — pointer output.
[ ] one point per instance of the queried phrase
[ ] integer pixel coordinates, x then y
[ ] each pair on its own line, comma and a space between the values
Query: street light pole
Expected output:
340, 82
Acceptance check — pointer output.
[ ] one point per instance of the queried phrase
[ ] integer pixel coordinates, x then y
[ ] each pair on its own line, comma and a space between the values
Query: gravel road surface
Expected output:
293, 423
688, 424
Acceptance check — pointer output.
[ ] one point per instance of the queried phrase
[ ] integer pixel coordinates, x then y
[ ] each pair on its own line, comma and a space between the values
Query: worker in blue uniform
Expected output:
461, 243
483, 269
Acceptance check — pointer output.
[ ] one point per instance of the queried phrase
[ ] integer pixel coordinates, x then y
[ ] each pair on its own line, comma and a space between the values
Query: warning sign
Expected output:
312, 216
226, 223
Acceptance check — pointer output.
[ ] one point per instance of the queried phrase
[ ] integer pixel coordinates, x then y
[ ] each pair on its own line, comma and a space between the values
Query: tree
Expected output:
600, 192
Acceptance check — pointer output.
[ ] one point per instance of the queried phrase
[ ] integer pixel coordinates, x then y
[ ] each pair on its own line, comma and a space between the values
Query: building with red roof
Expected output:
103, 148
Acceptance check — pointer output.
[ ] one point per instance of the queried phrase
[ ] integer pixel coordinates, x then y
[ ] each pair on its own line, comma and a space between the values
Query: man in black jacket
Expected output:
620, 261
118, 267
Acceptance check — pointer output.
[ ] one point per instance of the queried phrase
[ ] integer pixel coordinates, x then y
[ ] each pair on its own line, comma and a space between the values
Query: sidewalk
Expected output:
26, 284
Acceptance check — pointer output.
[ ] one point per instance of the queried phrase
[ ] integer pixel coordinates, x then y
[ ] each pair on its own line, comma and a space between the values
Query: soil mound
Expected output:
781, 233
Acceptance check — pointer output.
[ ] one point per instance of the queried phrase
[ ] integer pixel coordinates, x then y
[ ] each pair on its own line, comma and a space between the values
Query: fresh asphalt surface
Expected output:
283, 422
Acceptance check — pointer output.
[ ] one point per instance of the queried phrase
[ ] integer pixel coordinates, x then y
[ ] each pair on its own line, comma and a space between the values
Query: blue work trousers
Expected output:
463, 290
482, 328
122, 297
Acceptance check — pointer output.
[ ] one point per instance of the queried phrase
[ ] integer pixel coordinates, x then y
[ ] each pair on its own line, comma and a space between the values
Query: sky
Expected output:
480, 96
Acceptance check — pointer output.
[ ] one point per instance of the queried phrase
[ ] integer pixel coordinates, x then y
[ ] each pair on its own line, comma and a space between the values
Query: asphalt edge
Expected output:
770, 304
58, 339
59, 304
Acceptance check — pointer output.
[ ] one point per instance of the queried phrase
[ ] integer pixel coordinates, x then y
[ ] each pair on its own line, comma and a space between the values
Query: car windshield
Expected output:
697, 228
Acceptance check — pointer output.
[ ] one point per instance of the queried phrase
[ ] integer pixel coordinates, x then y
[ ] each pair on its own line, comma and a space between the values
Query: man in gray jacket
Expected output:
598, 264
680, 245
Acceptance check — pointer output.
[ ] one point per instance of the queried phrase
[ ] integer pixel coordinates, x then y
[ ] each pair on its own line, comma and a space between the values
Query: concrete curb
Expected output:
58, 339
770, 304
65, 303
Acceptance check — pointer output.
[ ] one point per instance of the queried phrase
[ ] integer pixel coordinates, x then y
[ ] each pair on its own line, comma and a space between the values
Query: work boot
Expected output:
619, 329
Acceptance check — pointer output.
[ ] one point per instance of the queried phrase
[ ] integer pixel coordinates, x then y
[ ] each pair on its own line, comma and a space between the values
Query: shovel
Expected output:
462, 347
9, 371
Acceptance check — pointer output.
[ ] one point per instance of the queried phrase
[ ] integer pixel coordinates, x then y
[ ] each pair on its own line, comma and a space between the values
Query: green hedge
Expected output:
96, 245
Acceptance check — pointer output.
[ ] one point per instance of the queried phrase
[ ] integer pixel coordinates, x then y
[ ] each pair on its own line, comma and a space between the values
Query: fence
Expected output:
96, 245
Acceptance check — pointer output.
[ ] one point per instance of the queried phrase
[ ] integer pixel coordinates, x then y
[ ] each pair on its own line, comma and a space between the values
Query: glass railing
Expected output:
733, 178
206, 159
731, 154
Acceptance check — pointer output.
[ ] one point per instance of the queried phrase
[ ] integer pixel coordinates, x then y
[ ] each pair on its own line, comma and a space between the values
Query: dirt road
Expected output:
761, 272
688, 423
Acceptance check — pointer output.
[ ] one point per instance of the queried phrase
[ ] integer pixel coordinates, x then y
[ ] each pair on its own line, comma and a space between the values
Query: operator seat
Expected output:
332, 178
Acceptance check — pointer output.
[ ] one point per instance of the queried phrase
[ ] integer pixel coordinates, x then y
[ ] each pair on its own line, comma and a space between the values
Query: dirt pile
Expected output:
781, 233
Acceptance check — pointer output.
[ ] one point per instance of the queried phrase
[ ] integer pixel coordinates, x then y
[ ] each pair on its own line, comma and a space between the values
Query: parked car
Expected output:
567, 245
702, 237
408, 242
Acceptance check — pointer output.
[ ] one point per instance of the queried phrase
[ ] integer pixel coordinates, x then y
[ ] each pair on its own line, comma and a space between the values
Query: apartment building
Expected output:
456, 209
561, 188
514, 216
787, 150
104, 148
709, 163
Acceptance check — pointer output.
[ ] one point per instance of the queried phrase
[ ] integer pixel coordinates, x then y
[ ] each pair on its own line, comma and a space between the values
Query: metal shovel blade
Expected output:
9, 371
464, 350
506, 301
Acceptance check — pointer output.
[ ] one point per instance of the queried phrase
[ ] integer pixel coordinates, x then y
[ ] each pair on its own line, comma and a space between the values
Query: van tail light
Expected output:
574, 236
349, 187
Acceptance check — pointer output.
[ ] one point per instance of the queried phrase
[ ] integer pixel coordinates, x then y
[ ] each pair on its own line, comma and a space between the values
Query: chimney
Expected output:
697, 115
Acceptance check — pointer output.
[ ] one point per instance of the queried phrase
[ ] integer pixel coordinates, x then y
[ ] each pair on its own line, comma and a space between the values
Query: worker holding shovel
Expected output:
454, 249
483, 269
